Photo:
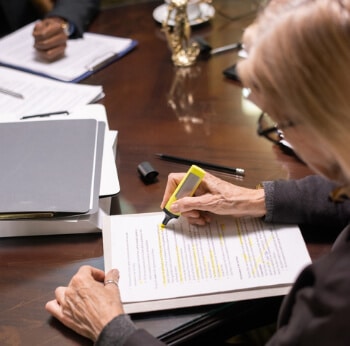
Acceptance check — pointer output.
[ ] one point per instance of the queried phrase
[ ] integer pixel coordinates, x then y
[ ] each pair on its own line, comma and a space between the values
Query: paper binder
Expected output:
50, 168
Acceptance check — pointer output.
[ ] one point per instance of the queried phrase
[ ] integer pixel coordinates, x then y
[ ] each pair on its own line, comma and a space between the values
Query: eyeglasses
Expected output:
269, 129
273, 132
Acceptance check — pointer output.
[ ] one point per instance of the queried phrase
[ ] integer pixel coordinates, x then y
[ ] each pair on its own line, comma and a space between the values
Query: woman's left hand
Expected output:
91, 300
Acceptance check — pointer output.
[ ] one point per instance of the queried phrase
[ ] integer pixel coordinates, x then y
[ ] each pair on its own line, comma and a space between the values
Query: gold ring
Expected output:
114, 282
65, 28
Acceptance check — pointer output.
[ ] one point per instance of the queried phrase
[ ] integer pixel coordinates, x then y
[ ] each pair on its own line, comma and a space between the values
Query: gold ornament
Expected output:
184, 52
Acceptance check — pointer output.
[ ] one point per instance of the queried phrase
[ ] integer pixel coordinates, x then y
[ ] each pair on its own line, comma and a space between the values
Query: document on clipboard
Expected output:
83, 56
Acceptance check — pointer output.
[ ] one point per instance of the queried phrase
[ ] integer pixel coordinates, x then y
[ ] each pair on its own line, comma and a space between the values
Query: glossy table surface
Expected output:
193, 112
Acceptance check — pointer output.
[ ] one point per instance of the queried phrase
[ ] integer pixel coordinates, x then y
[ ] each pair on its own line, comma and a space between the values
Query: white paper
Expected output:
42, 95
182, 260
109, 178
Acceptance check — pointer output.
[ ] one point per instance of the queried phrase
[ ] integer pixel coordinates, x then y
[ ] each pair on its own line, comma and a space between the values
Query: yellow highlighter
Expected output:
187, 187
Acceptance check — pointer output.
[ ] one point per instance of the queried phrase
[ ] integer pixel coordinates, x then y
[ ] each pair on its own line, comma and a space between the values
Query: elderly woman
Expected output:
297, 71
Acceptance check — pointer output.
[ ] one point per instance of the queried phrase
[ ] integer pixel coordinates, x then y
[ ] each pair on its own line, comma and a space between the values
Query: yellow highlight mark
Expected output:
195, 255
161, 252
179, 263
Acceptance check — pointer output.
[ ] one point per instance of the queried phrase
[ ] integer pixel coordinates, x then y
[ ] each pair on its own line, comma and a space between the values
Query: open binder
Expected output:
83, 56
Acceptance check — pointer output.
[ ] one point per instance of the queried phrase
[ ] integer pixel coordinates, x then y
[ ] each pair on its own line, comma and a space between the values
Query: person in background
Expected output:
57, 22
297, 71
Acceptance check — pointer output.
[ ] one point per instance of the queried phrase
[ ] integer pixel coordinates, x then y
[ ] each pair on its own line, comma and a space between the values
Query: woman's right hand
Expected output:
216, 196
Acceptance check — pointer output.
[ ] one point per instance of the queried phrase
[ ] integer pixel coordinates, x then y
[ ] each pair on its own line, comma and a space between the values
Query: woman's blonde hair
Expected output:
298, 65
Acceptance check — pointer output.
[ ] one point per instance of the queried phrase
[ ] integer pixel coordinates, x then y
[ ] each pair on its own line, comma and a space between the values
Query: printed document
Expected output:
158, 264
42, 95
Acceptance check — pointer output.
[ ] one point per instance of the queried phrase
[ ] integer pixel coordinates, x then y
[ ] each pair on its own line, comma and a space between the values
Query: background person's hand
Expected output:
87, 305
50, 40
215, 196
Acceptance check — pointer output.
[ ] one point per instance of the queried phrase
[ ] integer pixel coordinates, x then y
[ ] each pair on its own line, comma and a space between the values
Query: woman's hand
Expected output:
87, 304
215, 196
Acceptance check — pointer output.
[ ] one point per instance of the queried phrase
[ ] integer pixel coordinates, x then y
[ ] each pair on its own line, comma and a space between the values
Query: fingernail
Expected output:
114, 273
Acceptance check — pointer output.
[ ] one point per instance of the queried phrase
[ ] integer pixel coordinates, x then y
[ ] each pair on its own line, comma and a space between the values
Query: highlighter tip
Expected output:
166, 220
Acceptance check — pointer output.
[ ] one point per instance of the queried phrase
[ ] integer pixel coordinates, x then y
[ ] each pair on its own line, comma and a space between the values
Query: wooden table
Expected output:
209, 120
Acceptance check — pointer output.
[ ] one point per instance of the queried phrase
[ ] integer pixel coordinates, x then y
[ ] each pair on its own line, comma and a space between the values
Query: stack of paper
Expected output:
59, 173
42, 95
185, 265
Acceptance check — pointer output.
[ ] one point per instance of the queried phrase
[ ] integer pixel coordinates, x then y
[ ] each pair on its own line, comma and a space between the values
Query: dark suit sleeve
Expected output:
78, 12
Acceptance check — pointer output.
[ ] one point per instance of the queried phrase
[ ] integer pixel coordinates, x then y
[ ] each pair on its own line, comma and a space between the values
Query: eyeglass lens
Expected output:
268, 129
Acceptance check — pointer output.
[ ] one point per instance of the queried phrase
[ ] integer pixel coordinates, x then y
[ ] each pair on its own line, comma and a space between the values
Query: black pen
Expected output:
42, 115
225, 169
